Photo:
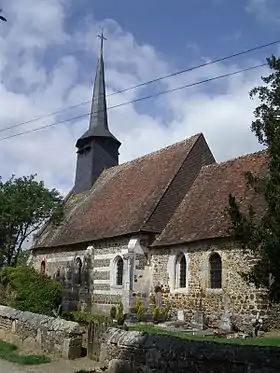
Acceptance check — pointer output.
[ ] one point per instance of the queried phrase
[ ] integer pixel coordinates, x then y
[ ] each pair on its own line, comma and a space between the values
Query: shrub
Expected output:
152, 302
113, 312
139, 309
166, 312
120, 316
85, 317
138, 304
3, 295
156, 314
29, 290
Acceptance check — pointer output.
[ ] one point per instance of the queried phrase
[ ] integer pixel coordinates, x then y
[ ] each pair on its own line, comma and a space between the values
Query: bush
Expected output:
85, 317
113, 312
29, 290
3, 295
120, 316
139, 309
156, 314
166, 312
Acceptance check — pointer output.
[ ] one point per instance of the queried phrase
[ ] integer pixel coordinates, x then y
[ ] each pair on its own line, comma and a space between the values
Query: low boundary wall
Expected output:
53, 335
129, 351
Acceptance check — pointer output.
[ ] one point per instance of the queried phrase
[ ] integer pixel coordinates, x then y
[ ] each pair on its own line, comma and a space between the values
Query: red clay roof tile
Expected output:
202, 213
122, 199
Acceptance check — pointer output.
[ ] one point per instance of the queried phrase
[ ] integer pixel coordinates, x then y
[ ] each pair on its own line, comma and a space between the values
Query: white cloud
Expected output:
37, 78
264, 10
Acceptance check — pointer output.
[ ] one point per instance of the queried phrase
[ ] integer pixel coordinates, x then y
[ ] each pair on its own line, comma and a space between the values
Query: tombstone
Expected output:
225, 323
158, 297
198, 320
180, 315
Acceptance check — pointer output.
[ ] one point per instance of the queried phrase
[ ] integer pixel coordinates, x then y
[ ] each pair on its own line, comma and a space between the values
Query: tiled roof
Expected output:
202, 213
122, 200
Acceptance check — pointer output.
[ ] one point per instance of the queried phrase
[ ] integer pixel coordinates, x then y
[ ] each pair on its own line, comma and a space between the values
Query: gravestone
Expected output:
198, 320
225, 324
180, 315
158, 297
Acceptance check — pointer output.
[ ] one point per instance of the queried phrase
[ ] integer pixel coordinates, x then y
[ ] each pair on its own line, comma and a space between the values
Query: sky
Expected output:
48, 57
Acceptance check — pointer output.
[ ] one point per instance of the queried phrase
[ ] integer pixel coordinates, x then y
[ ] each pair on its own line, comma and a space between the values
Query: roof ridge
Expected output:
157, 151
232, 160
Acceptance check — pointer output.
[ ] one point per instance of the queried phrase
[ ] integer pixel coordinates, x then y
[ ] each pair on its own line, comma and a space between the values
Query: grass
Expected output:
258, 341
10, 353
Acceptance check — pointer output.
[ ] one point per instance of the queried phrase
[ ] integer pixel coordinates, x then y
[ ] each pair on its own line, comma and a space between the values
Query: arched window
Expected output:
119, 271
215, 271
181, 271
43, 267
78, 271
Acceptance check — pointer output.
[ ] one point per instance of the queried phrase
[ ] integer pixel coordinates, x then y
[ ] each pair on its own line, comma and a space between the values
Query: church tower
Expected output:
98, 148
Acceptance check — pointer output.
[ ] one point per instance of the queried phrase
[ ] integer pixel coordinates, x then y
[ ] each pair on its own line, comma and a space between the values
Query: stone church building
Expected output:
157, 221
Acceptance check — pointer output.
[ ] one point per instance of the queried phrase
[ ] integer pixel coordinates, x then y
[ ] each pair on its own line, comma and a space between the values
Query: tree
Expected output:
261, 235
25, 205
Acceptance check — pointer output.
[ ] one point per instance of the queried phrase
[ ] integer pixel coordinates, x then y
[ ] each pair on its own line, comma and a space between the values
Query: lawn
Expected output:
259, 341
10, 353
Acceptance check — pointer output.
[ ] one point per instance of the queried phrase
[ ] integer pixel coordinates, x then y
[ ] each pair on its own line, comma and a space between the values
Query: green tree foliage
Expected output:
262, 235
25, 205
29, 290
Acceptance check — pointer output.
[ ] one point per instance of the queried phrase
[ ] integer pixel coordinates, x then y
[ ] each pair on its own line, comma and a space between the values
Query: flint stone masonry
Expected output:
165, 354
53, 335
245, 301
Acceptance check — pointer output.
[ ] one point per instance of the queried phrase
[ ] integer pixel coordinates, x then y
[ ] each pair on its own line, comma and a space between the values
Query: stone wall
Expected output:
105, 292
244, 299
53, 335
133, 351
98, 288
131, 250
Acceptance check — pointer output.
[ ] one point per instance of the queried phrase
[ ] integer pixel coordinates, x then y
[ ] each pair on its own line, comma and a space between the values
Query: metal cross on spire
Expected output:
102, 38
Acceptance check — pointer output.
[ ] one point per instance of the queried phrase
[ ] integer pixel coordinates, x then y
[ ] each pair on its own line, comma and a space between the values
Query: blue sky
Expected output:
185, 29
48, 58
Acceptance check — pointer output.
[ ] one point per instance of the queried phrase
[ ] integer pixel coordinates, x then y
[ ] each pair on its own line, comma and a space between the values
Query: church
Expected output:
156, 222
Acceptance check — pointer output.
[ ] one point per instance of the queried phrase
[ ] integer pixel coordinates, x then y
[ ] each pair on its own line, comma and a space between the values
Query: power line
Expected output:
180, 72
137, 100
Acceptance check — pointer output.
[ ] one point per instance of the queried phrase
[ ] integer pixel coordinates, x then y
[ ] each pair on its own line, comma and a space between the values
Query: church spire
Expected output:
98, 125
98, 148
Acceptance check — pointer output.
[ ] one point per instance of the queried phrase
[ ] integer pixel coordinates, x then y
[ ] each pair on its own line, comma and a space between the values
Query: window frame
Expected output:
114, 268
43, 267
78, 265
119, 267
178, 273
216, 272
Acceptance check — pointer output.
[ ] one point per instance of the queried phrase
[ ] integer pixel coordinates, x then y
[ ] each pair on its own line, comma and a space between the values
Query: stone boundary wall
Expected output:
129, 351
39, 332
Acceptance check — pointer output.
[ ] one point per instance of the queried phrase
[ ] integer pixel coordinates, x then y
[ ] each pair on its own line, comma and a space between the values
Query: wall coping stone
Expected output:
41, 321
53, 335
166, 346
